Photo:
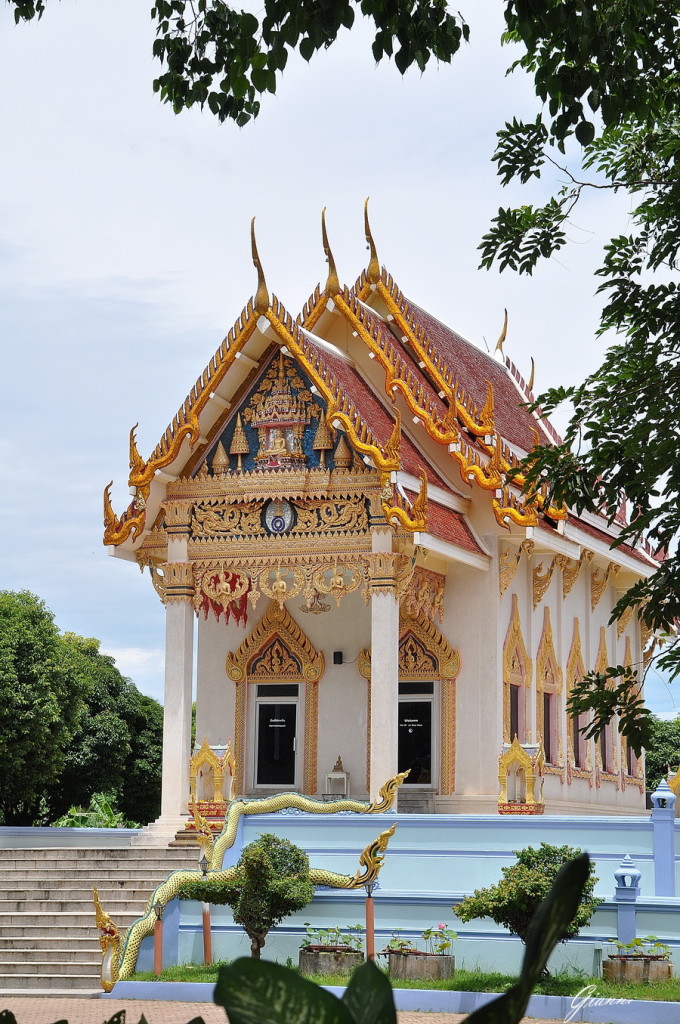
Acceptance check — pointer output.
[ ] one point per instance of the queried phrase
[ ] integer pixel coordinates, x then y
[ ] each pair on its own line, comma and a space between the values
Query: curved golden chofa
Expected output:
332, 281
503, 335
131, 522
261, 295
373, 268
411, 516
120, 955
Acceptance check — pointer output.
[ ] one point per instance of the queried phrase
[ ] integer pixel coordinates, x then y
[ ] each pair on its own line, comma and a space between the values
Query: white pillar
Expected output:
179, 644
384, 667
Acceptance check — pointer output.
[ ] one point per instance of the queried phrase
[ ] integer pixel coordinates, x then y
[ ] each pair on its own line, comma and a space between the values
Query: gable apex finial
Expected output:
332, 281
373, 269
502, 336
261, 295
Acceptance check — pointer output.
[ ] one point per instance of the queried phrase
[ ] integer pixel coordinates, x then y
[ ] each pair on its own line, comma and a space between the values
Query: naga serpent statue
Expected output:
120, 950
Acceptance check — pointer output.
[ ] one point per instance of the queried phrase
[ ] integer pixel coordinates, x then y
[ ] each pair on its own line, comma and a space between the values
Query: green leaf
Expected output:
585, 132
261, 992
368, 997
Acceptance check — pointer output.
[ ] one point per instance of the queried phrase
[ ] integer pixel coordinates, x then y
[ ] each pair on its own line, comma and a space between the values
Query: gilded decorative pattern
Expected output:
517, 666
638, 778
601, 772
310, 783
541, 580
448, 737
410, 516
530, 766
623, 620
425, 596
276, 622
120, 955
275, 663
224, 519
599, 580
508, 563
576, 670
424, 652
176, 516
178, 581
549, 680
389, 572
571, 570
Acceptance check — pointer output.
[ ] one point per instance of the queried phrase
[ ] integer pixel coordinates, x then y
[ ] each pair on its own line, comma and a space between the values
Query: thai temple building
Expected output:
329, 520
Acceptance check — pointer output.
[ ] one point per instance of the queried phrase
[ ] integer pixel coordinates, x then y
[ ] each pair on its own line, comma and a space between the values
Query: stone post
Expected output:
625, 895
384, 710
663, 838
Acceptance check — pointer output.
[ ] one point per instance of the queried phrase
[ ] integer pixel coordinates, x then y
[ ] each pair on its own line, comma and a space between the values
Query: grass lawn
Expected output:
562, 984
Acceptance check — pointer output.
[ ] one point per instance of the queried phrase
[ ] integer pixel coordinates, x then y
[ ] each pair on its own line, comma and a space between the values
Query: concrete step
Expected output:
17, 952
70, 894
39, 867
66, 920
46, 943
35, 983
72, 967
19, 879
121, 905
89, 852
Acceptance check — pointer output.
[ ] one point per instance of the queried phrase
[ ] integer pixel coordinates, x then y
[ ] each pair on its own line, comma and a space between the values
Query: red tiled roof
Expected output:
606, 537
472, 368
451, 526
375, 415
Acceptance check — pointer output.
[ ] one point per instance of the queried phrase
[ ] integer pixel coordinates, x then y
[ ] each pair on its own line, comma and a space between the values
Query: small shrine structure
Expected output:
329, 517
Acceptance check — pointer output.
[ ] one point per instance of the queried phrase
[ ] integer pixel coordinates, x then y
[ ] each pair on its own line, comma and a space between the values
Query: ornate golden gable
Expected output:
517, 666
548, 671
275, 636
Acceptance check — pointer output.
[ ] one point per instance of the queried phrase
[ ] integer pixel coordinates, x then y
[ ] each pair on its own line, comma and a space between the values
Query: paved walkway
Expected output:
34, 1010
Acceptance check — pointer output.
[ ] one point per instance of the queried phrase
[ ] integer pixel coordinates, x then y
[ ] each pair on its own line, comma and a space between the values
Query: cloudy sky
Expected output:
124, 259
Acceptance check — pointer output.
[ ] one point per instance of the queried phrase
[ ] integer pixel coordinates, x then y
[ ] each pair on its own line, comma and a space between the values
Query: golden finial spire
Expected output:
530, 385
502, 336
373, 269
332, 281
261, 295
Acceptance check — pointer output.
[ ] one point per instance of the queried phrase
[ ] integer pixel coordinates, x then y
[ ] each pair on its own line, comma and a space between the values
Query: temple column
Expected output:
384, 709
179, 652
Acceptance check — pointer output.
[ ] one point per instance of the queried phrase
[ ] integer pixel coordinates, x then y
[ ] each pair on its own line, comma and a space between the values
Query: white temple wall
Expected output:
215, 692
470, 625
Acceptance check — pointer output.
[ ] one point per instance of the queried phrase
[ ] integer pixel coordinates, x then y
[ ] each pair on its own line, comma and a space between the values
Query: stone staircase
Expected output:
49, 943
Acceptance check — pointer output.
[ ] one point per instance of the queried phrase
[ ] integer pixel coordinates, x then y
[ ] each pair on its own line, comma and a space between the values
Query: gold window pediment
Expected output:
517, 666
276, 648
424, 651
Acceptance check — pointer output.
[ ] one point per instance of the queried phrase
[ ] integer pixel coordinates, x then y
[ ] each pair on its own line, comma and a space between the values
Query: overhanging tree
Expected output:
607, 77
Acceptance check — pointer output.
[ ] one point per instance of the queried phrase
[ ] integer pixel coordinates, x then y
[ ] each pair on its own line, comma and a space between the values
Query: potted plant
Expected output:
331, 950
642, 960
408, 963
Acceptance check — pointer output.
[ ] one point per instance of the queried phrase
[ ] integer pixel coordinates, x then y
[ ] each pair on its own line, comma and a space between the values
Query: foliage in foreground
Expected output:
515, 900
662, 750
271, 881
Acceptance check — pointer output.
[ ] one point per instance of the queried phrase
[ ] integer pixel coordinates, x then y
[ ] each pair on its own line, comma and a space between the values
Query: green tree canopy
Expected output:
70, 724
271, 882
514, 900
117, 745
42, 694
663, 750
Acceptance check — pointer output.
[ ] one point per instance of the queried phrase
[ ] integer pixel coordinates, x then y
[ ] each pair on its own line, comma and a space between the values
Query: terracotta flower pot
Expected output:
329, 960
622, 968
418, 966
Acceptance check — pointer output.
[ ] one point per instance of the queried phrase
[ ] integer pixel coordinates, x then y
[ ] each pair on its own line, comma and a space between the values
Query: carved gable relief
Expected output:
517, 667
576, 670
610, 738
549, 681
277, 650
